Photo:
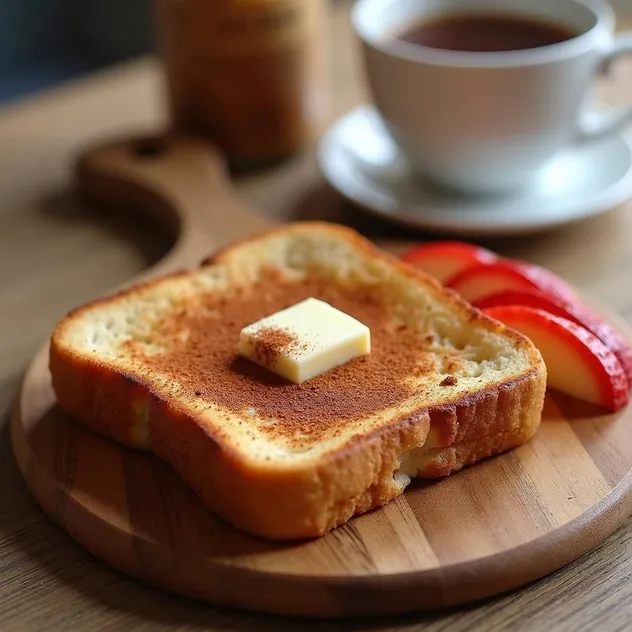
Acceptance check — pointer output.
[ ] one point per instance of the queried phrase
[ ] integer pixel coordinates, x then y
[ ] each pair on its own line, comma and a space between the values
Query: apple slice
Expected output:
571, 310
485, 279
444, 259
577, 362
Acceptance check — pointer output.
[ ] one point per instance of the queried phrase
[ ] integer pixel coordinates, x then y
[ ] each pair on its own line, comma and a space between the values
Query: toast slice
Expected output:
155, 367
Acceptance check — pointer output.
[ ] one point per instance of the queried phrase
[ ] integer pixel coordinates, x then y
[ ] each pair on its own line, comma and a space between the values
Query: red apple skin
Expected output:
615, 341
444, 259
601, 362
571, 310
482, 280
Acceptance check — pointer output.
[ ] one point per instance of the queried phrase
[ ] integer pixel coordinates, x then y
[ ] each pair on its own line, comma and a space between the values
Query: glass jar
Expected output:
246, 74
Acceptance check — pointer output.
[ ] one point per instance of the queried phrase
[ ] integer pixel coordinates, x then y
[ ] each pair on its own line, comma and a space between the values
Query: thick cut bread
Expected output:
156, 367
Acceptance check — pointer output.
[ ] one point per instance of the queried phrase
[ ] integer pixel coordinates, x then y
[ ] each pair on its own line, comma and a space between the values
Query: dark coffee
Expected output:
484, 32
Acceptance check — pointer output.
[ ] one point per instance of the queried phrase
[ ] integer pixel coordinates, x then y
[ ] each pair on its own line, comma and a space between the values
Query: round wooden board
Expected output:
485, 530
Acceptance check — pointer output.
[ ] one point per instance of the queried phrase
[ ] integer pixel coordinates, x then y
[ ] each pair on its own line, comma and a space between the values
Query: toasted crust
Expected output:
279, 502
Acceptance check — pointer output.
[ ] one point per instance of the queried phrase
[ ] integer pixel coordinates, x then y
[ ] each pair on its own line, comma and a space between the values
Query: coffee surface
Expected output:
483, 32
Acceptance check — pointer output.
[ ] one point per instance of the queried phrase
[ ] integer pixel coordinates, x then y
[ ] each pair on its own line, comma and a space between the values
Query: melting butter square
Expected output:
305, 340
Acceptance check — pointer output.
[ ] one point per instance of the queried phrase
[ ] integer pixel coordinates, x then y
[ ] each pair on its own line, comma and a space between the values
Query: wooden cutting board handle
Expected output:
179, 182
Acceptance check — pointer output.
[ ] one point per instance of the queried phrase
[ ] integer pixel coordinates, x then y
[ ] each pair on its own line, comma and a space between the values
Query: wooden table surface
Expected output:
55, 254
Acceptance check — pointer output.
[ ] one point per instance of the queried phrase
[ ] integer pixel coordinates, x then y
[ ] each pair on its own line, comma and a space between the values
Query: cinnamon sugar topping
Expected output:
207, 362
270, 343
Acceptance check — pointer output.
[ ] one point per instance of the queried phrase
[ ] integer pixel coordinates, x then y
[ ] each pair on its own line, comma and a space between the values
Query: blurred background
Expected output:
44, 42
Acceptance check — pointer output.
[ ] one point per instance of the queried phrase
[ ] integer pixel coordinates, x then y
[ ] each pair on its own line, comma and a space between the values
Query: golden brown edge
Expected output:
355, 478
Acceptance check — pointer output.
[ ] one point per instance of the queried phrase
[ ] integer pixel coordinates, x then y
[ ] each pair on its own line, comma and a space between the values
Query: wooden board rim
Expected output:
384, 594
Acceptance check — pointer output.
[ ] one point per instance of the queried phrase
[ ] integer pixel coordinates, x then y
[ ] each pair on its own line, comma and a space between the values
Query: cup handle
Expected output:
598, 124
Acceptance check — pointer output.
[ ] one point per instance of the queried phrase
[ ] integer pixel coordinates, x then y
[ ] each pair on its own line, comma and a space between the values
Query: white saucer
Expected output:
359, 159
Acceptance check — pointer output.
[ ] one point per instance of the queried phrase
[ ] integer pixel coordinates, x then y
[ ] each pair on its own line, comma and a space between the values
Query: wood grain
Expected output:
486, 530
56, 252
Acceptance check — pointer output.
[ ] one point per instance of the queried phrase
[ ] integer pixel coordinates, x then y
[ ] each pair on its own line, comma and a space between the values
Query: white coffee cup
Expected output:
485, 122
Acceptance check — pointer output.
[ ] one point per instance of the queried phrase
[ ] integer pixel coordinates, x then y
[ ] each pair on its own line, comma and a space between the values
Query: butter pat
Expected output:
305, 340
